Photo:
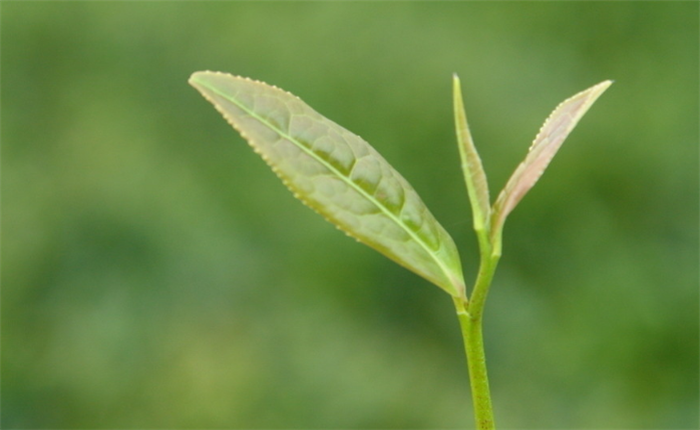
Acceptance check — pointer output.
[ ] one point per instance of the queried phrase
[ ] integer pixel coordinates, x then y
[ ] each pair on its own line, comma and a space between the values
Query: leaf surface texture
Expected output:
337, 174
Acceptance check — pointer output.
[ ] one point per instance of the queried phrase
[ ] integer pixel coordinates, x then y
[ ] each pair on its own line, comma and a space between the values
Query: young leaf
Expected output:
337, 174
472, 168
548, 141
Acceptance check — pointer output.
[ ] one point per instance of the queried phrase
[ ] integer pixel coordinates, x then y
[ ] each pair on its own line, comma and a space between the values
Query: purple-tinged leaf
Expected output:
548, 141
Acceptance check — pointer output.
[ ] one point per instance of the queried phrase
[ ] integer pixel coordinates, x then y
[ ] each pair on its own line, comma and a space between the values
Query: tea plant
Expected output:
343, 178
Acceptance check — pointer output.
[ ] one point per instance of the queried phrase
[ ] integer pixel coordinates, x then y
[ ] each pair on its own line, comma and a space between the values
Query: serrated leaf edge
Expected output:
456, 286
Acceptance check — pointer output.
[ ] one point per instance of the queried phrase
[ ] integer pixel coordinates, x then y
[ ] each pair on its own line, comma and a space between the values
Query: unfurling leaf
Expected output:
548, 141
337, 174
472, 168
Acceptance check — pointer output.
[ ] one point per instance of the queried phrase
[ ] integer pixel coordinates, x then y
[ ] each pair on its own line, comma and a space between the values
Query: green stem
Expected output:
470, 318
489, 261
476, 362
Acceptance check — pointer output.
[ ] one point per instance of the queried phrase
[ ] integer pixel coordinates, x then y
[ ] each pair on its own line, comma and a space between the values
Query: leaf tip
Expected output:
595, 91
193, 77
455, 82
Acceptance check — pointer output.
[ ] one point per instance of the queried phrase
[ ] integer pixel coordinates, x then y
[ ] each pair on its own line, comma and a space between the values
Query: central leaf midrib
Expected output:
334, 170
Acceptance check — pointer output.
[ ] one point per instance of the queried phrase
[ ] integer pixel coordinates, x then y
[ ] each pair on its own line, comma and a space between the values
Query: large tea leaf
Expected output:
337, 174
548, 141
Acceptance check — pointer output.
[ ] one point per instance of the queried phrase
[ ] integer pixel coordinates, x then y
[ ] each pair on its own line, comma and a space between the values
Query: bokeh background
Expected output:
156, 274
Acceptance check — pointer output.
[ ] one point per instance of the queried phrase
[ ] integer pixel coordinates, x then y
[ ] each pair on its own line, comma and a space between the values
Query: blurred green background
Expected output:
156, 274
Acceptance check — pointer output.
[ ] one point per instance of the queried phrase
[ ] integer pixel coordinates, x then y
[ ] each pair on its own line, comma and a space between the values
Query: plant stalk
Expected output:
478, 377
470, 315
476, 363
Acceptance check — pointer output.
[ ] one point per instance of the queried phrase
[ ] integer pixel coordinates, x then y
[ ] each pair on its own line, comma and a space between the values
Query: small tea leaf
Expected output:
472, 168
337, 174
548, 141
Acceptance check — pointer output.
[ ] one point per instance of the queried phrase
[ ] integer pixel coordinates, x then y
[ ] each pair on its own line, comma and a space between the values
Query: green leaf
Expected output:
337, 174
548, 141
473, 171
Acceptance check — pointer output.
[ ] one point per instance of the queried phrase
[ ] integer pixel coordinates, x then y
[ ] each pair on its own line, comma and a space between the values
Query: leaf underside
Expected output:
548, 141
337, 174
